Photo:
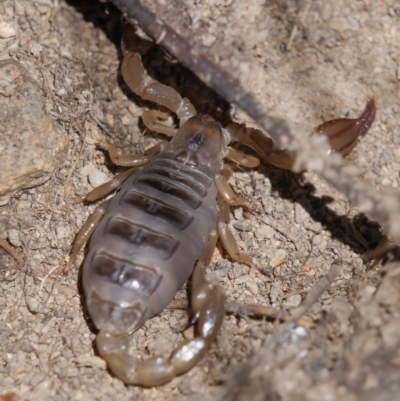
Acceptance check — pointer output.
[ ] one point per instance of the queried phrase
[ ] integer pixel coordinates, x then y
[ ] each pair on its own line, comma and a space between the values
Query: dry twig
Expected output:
67, 184
11, 250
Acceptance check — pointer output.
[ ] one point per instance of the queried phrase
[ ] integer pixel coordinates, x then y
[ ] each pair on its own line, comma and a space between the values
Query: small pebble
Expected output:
62, 232
292, 301
252, 287
280, 257
265, 231
33, 305
7, 30
14, 238
97, 177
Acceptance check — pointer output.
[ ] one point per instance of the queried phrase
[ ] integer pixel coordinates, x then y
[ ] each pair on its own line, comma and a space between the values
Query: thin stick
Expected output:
315, 293
300, 22
11, 250
67, 184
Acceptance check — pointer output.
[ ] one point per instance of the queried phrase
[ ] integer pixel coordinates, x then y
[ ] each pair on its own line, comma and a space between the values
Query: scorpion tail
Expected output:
208, 310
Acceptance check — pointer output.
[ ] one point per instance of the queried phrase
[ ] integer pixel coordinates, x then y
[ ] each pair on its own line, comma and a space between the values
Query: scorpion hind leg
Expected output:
207, 304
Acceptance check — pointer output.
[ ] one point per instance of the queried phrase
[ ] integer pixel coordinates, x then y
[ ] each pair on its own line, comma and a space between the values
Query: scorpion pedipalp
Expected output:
344, 133
134, 75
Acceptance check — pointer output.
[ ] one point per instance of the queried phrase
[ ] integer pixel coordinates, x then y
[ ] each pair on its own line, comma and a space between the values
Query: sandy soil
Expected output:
307, 62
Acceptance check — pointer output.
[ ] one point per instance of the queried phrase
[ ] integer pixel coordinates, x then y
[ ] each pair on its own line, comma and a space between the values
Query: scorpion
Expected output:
163, 224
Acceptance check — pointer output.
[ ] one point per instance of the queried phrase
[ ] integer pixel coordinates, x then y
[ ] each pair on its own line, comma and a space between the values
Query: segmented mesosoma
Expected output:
163, 224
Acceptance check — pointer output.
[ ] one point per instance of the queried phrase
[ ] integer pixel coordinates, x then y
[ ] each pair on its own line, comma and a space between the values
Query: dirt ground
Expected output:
307, 62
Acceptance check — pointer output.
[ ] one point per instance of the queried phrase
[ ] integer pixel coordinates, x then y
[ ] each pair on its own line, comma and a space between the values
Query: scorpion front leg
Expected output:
207, 303
126, 160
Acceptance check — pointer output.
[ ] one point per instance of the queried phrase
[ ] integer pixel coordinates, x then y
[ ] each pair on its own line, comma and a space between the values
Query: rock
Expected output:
292, 301
14, 238
32, 144
97, 177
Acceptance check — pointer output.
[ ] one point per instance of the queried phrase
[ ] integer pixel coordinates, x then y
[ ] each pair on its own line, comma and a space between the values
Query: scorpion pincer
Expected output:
163, 224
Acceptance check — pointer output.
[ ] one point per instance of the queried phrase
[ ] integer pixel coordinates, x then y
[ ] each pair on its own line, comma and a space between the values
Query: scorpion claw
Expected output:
344, 133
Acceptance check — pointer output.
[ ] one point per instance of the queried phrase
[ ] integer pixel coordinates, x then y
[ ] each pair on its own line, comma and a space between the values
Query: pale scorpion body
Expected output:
163, 225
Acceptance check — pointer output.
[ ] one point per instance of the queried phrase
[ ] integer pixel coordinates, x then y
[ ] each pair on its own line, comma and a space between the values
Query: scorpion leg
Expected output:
102, 190
226, 236
85, 233
207, 302
124, 161
109, 186
130, 160
242, 158
260, 143
151, 119
226, 192
134, 75
226, 172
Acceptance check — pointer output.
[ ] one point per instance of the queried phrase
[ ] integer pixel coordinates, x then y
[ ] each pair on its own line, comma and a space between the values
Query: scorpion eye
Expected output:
195, 141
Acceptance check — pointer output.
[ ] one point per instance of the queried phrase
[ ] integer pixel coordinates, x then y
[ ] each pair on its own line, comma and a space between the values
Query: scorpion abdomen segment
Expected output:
142, 237
171, 187
169, 214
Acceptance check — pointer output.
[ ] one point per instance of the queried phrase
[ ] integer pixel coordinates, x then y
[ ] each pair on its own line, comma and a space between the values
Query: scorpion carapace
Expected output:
163, 225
